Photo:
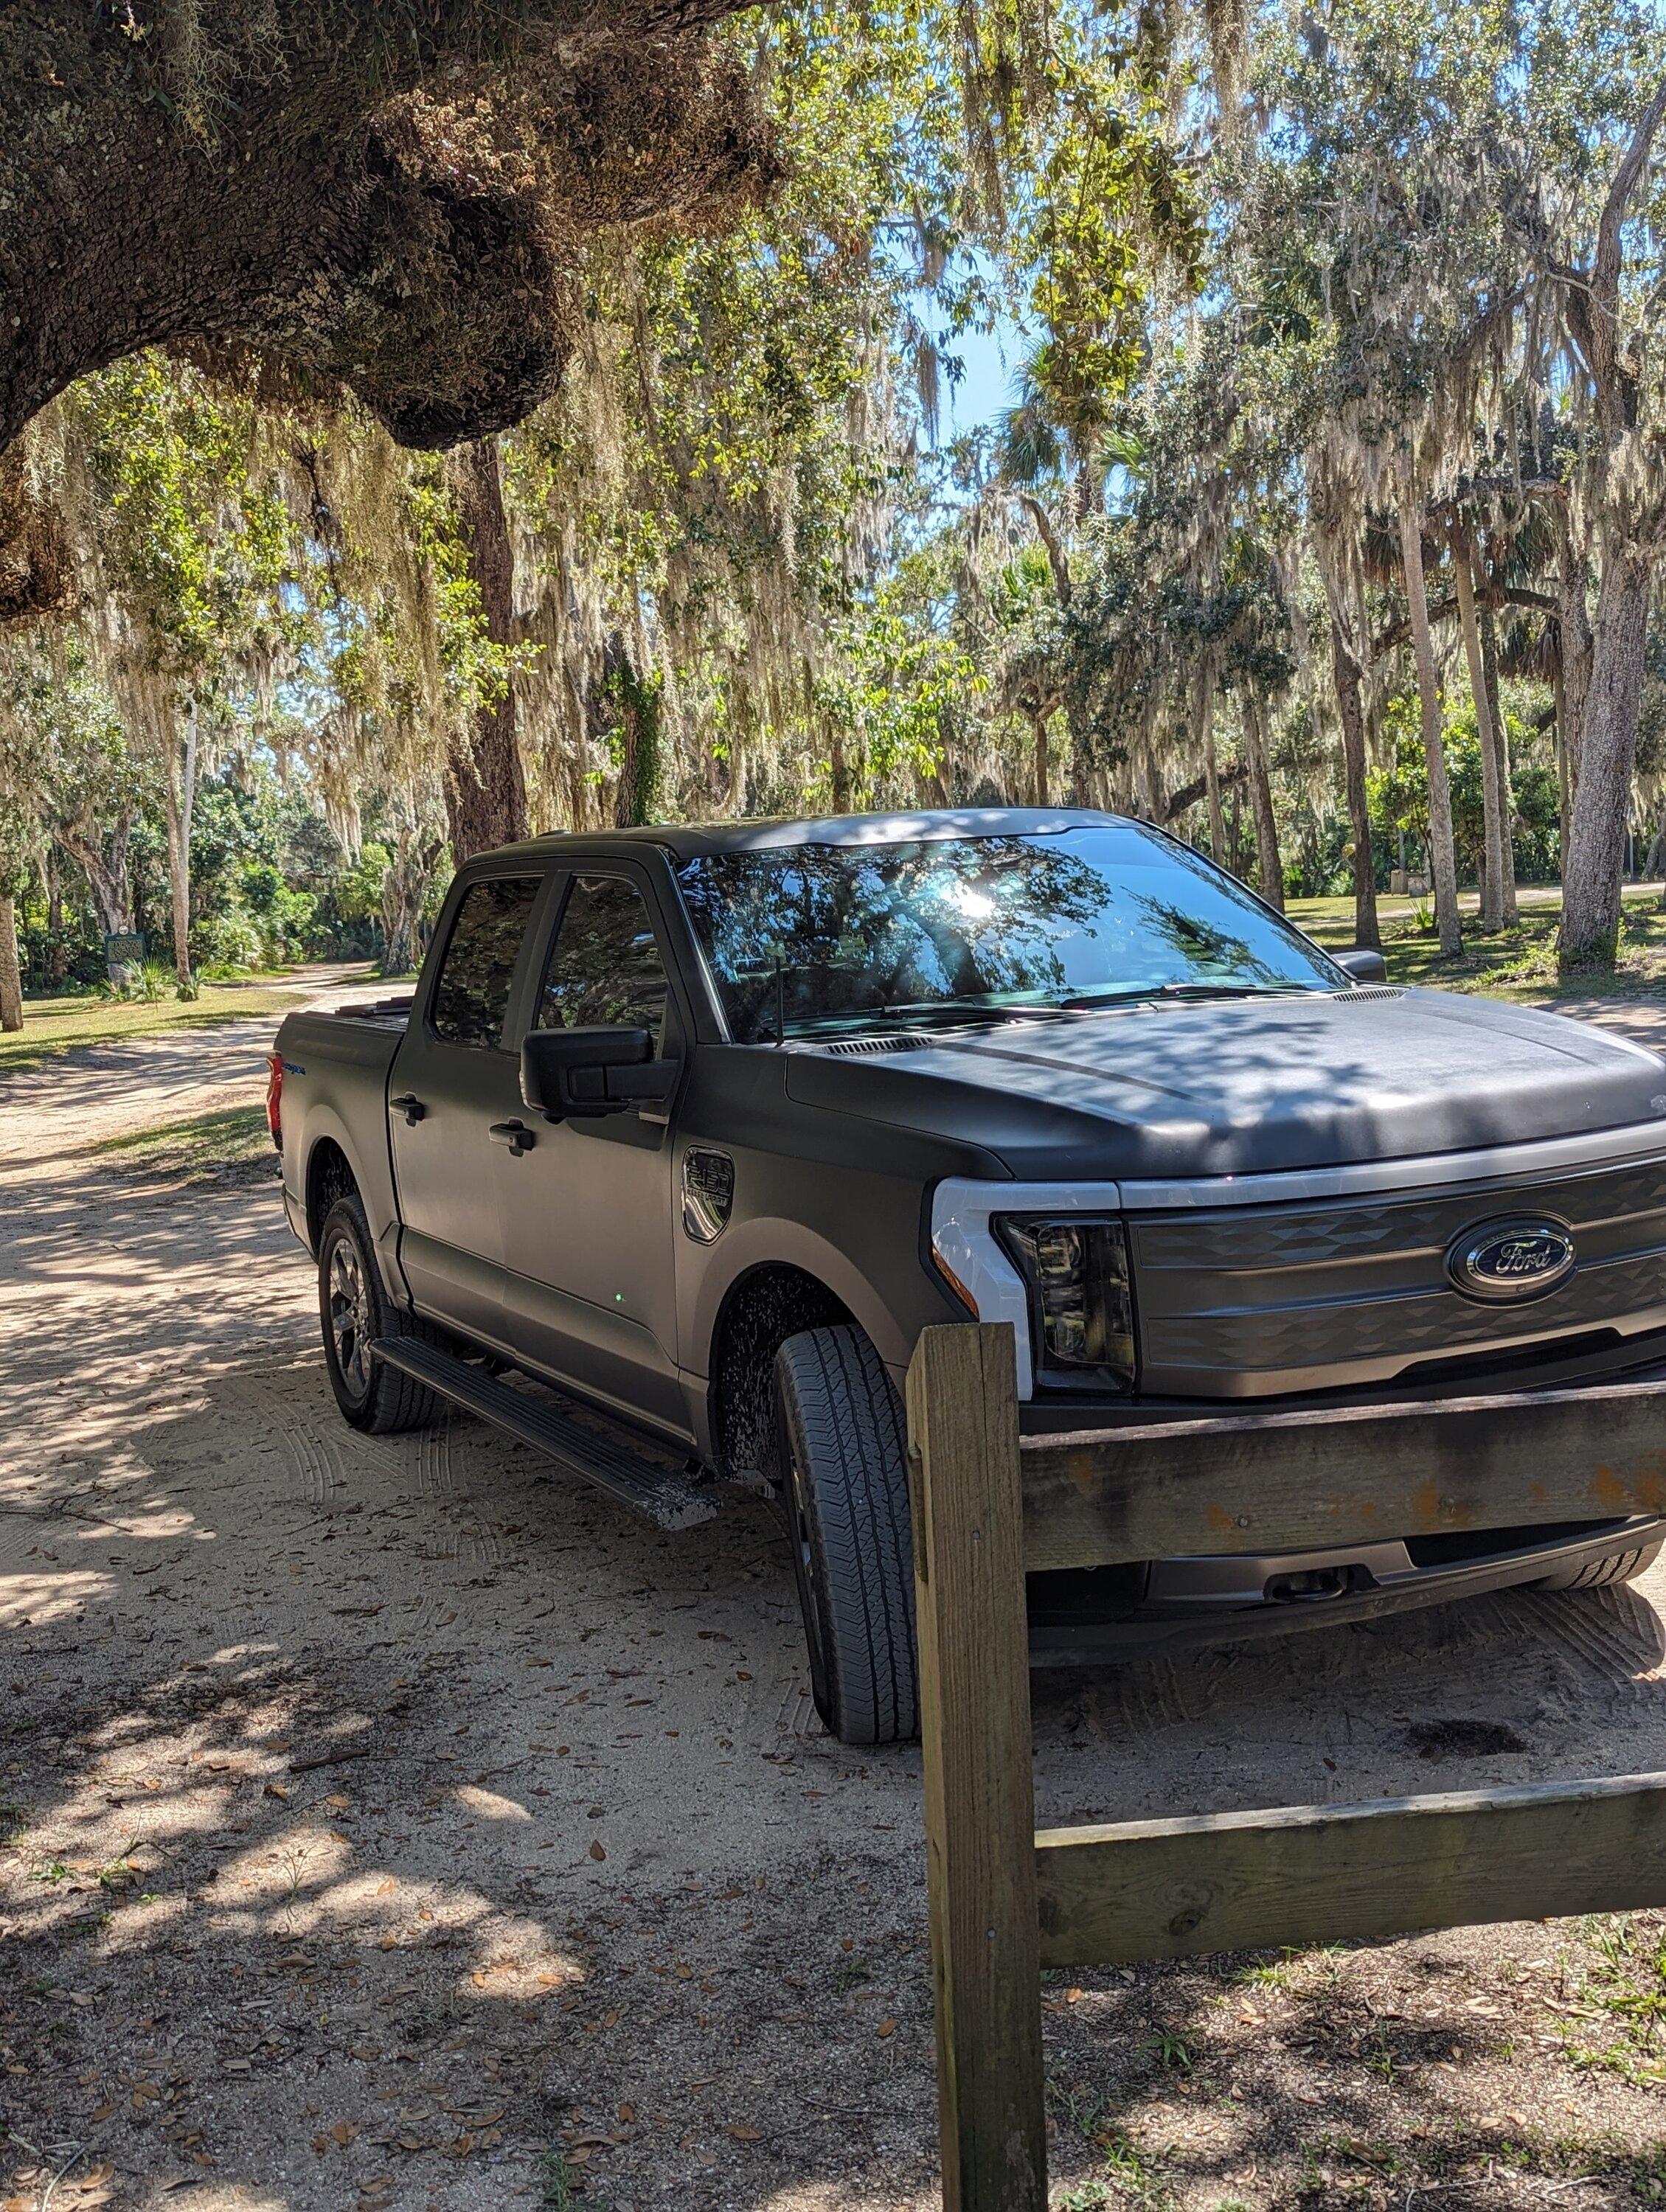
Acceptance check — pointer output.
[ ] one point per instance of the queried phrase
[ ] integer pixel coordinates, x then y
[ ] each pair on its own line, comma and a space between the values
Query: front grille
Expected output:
1256, 1301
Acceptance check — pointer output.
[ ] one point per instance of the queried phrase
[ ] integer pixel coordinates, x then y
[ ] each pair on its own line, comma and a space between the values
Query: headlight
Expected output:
1081, 1308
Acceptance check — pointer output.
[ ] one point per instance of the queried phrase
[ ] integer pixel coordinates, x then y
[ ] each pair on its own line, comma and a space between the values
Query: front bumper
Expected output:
1084, 1616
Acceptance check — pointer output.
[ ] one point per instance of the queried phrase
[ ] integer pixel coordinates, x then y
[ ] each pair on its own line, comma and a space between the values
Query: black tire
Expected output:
354, 1311
1600, 1574
843, 1471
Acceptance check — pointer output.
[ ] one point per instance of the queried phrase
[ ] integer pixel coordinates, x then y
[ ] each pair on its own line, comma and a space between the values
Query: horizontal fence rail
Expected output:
1354, 1475
1319, 1874
987, 1508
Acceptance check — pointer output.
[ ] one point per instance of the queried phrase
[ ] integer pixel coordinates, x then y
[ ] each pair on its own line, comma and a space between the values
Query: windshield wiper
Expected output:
1131, 995
1225, 990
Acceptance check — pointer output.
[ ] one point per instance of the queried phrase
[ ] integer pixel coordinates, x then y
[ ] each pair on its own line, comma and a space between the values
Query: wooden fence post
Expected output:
979, 1796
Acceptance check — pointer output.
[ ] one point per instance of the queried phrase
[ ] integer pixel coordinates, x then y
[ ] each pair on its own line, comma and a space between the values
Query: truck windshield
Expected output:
811, 940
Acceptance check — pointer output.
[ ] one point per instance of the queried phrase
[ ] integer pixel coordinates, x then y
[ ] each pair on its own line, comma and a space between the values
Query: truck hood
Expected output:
1250, 1086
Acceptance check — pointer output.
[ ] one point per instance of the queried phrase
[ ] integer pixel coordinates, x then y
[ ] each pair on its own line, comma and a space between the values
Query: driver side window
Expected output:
605, 966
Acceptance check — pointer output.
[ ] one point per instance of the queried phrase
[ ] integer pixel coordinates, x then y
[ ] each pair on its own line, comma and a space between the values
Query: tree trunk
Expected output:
1656, 852
738, 776
404, 888
1203, 727
108, 878
1268, 867
11, 979
1042, 761
1573, 681
1350, 709
58, 953
401, 904
485, 787
1442, 863
1491, 872
838, 771
1563, 772
1348, 679
1489, 661
1595, 858
180, 792
637, 704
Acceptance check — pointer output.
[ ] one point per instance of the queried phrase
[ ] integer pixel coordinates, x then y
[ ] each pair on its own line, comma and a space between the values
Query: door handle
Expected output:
410, 1106
515, 1134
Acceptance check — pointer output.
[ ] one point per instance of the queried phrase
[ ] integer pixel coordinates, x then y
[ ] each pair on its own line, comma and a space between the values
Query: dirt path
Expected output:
395, 1825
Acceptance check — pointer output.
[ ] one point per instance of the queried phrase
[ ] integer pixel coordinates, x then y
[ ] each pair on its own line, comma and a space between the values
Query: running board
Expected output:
667, 1499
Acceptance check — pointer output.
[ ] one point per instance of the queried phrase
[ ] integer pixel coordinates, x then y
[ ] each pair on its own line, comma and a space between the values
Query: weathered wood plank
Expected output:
1313, 1874
1349, 1474
975, 1735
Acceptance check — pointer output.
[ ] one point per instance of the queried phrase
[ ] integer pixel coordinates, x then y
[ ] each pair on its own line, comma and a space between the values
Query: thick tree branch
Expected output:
1190, 794
1488, 595
1057, 560
1605, 271
393, 195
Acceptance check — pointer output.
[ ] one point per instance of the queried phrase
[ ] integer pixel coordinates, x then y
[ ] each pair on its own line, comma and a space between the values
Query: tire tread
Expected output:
849, 1426
1601, 1574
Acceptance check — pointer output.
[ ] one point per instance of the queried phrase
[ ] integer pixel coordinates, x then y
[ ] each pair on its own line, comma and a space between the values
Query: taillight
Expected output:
275, 1098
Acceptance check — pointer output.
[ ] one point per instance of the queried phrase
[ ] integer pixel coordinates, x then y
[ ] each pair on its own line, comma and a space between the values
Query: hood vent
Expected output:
908, 1041
1367, 991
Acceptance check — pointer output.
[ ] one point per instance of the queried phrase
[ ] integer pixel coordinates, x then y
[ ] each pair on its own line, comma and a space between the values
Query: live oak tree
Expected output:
391, 192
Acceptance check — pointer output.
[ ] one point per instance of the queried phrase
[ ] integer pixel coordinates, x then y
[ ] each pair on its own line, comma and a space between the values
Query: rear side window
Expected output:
471, 997
605, 966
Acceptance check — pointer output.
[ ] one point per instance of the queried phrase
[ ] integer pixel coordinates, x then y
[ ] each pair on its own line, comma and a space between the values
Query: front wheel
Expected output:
356, 1311
1628, 1566
843, 1471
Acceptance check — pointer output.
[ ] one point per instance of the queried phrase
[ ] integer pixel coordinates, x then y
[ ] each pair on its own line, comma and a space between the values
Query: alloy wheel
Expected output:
350, 1318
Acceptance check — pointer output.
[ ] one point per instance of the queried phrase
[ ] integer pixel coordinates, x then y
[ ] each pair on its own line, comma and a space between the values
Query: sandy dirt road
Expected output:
392, 1823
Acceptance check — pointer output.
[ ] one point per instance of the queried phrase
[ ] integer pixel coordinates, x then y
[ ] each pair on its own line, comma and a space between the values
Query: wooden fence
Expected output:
1004, 1901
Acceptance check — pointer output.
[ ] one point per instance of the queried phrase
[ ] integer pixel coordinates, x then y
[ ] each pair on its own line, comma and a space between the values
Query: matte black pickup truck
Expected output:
687, 1132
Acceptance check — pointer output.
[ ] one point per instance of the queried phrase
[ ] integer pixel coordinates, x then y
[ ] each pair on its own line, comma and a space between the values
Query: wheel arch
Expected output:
329, 1176
768, 1303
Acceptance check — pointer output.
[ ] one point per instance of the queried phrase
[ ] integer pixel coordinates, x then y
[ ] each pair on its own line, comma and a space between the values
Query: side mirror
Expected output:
586, 1072
1365, 966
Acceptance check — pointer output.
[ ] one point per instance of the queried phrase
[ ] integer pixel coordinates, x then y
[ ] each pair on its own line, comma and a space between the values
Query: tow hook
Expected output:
1308, 1586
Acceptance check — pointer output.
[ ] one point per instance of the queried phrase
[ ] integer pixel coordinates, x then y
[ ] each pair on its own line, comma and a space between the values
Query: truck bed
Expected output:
336, 1067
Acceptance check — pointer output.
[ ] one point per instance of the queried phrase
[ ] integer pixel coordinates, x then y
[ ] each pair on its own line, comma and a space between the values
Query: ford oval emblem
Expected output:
1503, 1262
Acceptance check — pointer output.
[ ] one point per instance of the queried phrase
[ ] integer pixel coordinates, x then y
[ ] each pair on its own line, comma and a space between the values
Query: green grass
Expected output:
1518, 963
564, 2191
1124, 2169
1622, 2029
201, 1149
51, 1026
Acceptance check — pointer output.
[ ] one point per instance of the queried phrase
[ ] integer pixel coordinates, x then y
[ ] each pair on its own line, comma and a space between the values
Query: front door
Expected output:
587, 1213
453, 1078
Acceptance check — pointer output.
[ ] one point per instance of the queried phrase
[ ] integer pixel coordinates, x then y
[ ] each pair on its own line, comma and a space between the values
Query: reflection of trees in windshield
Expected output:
808, 937
1201, 953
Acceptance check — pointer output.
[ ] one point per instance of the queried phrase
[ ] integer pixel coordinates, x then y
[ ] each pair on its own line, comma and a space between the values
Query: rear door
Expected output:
587, 1213
455, 1078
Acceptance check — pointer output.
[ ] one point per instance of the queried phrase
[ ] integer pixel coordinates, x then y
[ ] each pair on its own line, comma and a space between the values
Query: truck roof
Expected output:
688, 841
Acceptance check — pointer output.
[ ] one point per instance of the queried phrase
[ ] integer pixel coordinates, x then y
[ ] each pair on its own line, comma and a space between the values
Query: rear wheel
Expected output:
356, 1312
843, 1473
1598, 1574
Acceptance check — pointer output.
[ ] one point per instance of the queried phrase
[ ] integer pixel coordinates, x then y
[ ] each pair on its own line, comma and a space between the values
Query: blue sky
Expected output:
990, 364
